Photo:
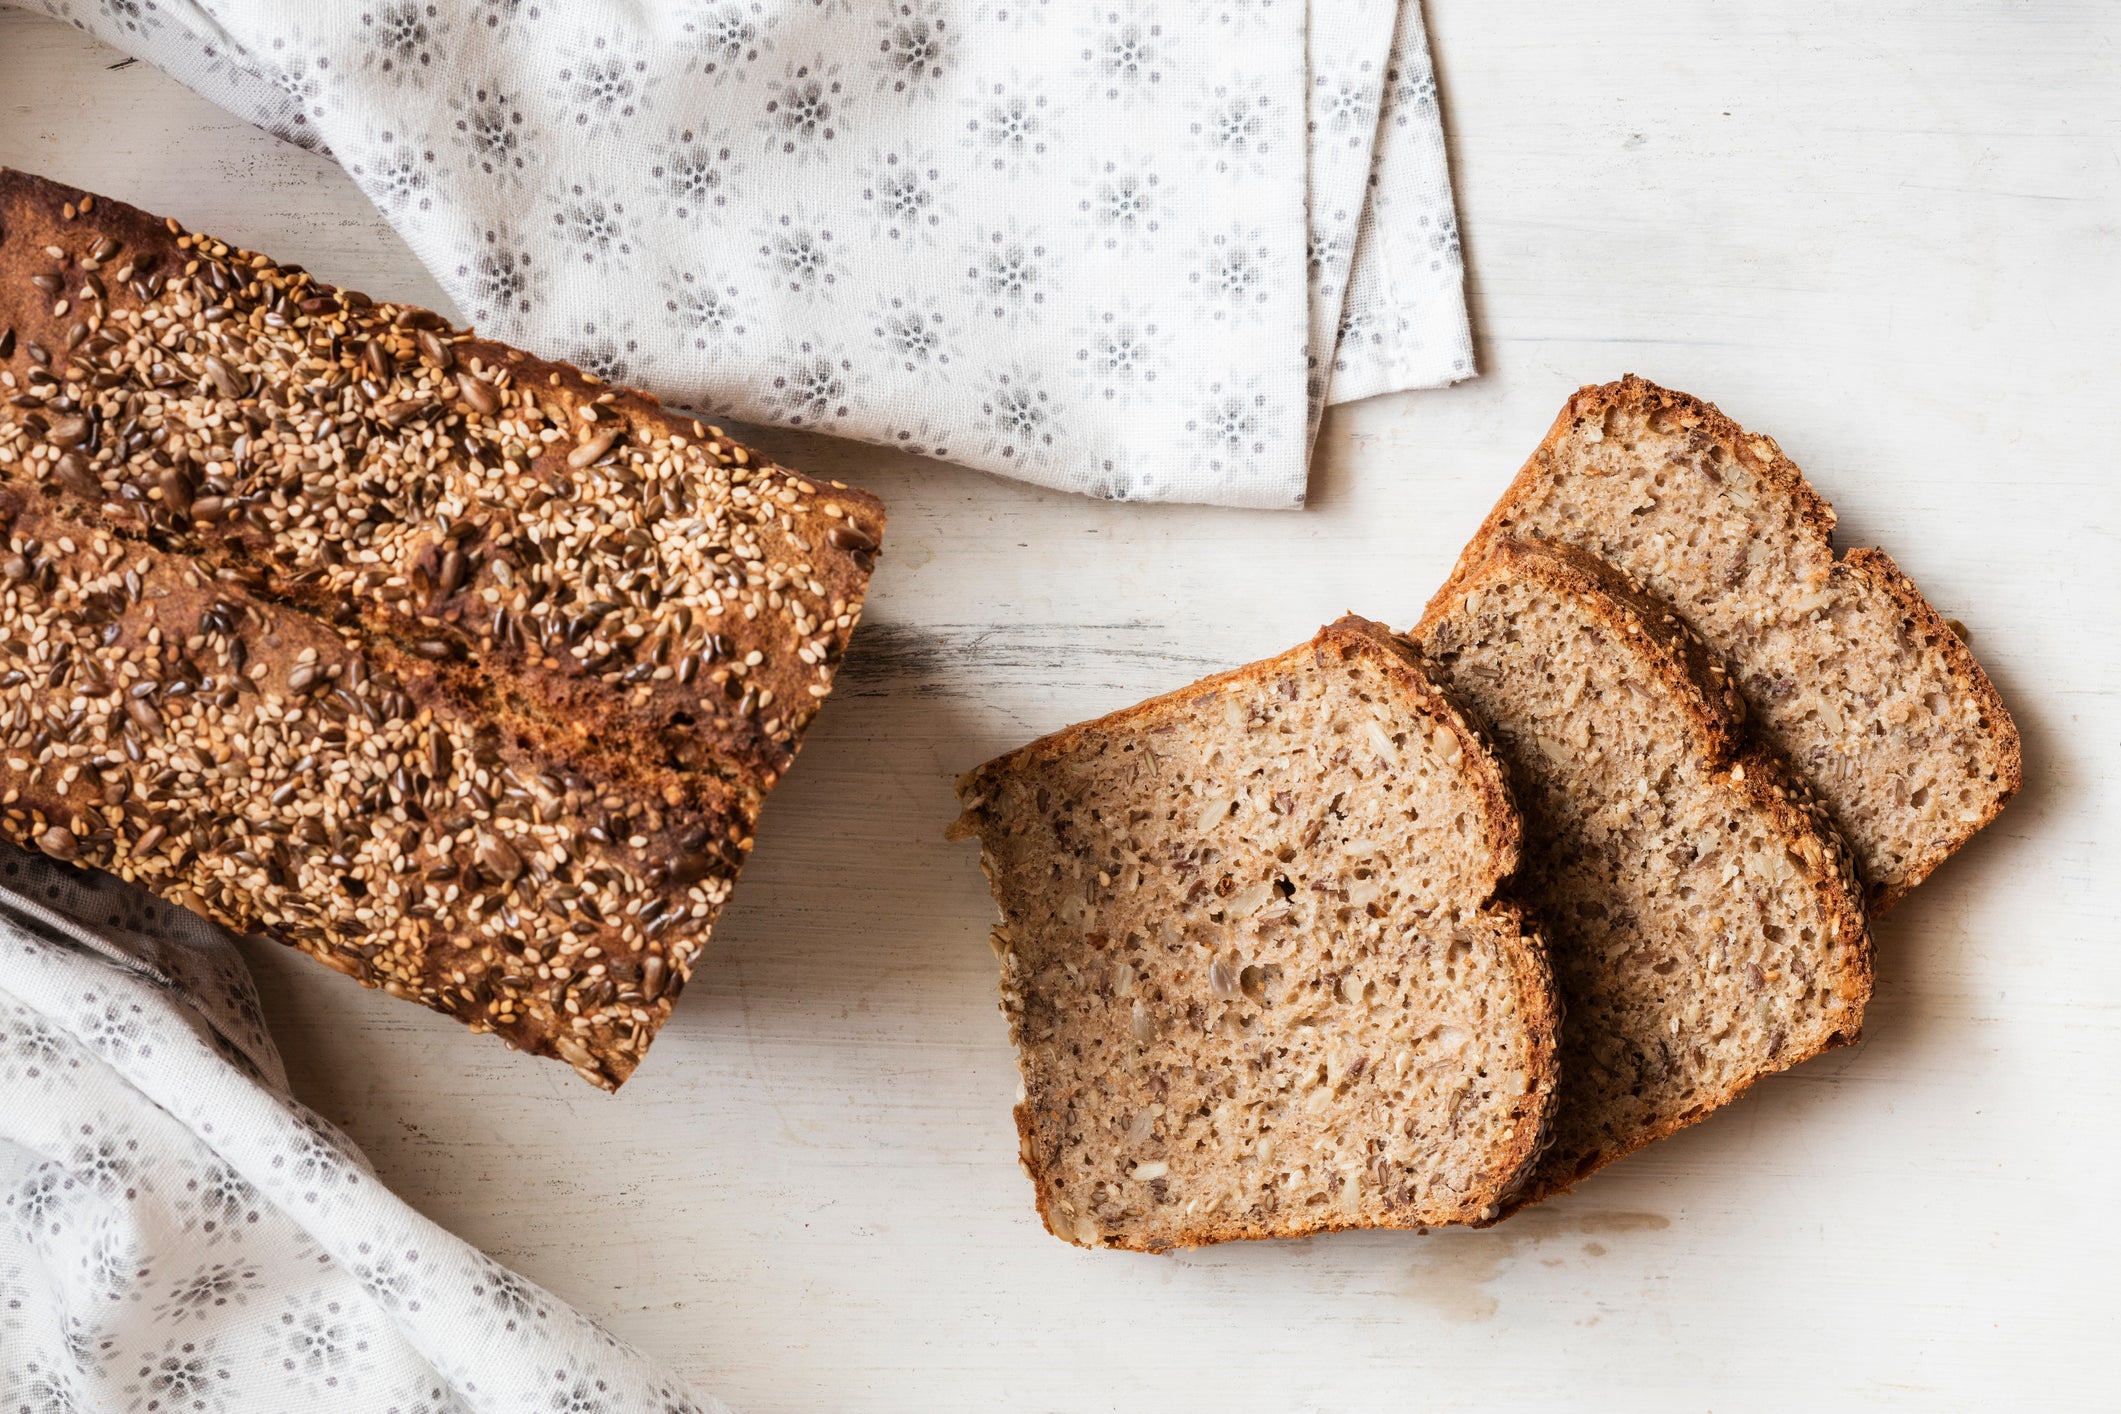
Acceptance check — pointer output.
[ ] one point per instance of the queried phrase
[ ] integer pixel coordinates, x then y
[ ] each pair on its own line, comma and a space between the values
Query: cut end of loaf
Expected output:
511, 656
1252, 962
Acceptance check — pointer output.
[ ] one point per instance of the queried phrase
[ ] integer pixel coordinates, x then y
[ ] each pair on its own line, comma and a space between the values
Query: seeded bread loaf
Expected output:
641, 586
1702, 915
451, 666
1252, 959
1850, 674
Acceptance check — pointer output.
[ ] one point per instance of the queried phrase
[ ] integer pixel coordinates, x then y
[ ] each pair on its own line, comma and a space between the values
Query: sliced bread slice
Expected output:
1850, 674
1254, 968
1702, 916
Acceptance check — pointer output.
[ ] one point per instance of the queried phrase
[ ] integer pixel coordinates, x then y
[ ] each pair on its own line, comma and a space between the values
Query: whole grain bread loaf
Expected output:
1253, 963
1702, 915
456, 668
1850, 674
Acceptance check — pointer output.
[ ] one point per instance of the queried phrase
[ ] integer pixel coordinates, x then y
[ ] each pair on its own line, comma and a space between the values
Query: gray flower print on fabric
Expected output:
799, 255
106, 1163
402, 40
390, 1272
111, 1026
32, 1049
504, 19
1232, 129
730, 36
1123, 55
1013, 15
591, 219
1410, 89
219, 1201
1441, 233
803, 111
1007, 126
299, 80
393, 172
812, 385
915, 332
1124, 203
1234, 17
696, 173
312, 1163
922, 437
319, 1342
40, 1198
112, 1264
608, 351
182, 1375
907, 196
603, 84
513, 1301
1022, 416
1345, 106
429, 1396
917, 50
135, 17
504, 279
89, 1348
707, 312
44, 1389
1326, 252
1010, 273
1234, 424
1120, 354
1229, 274
489, 129
207, 1294
579, 1388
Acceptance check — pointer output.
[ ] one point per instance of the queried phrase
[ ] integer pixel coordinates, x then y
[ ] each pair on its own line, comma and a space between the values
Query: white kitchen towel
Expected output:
178, 1233
1129, 248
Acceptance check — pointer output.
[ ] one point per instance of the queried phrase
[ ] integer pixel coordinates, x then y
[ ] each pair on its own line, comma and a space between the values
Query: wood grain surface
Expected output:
1886, 234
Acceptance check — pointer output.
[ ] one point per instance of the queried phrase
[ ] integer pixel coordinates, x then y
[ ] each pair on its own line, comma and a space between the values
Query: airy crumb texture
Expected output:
1850, 674
458, 670
1252, 961
1703, 917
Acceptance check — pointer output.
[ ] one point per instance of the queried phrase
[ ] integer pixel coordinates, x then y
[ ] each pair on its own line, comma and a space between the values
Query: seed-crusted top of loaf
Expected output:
453, 667
1703, 915
249, 762
1252, 961
1850, 674
656, 591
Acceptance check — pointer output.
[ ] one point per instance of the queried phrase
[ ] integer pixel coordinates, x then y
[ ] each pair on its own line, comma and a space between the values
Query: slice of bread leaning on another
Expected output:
1850, 674
1703, 920
1254, 966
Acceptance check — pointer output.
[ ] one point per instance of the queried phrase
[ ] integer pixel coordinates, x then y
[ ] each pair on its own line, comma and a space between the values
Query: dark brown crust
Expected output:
692, 727
1710, 705
683, 762
1530, 966
1760, 454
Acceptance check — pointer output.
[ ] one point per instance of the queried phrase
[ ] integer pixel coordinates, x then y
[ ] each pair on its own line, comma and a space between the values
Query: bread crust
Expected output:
1531, 972
690, 725
1761, 456
282, 467
1712, 711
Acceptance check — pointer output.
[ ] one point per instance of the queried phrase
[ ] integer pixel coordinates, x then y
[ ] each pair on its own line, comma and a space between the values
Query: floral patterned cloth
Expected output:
1129, 248
178, 1233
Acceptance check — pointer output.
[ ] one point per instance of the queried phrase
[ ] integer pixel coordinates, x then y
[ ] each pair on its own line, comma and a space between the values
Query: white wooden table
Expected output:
1890, 235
